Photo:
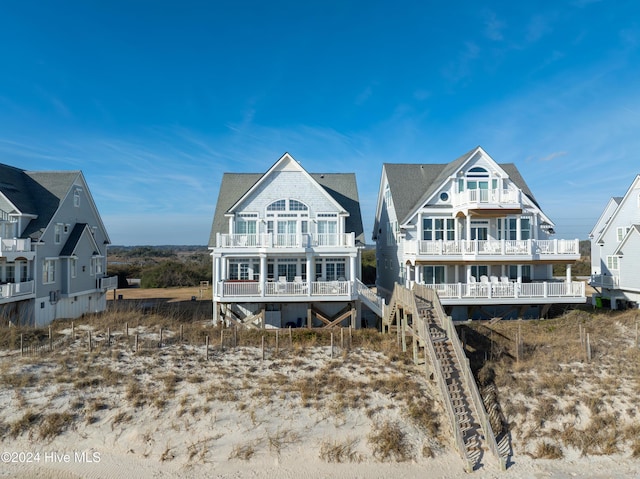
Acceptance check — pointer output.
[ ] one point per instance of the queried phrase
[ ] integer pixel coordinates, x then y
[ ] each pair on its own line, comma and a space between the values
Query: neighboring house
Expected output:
286, 248
53, 247
472, 230
615, 251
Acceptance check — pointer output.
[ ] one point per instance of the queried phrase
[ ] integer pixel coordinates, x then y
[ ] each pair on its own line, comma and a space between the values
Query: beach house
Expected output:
472, 230
53, 247
286, 248
615, 252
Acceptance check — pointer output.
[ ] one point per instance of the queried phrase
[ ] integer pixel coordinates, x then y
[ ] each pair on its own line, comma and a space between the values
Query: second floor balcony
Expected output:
286, 240
12, 248
482, 198
16, 291
252, 291
493, 249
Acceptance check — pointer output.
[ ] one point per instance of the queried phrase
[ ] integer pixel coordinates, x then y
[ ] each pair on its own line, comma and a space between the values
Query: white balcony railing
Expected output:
13, 290
538, 248
604, 281
293, 240
15, 245
510, 290
107, 282
229, 289
489, 197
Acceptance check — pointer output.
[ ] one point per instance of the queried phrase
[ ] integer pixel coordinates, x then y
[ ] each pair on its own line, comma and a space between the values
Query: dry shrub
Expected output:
546, 450
29, 419
243, 451
388, 442
54, 424
335, 451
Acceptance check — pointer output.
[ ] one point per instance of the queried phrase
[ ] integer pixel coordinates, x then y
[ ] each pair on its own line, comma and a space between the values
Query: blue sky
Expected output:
154, 100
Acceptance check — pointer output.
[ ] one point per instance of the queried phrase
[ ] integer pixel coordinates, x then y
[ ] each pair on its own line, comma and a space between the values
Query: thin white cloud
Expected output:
493, 27
554, 155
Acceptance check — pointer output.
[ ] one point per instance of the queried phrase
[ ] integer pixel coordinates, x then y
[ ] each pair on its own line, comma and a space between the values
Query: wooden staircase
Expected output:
419, 313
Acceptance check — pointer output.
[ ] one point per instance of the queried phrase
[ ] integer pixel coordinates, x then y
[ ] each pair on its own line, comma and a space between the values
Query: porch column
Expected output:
419, 229
407, 276
568, 273
352, 267
263, 273
468, 227
518, 228
310, 273
223, 268
216, 270
468, 273
519, 279
419, 275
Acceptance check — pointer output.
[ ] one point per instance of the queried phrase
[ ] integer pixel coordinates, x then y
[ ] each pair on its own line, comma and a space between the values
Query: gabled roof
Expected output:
413, 184
634, 230
611, 222
612, 204
35, 193
341, 188
74, 238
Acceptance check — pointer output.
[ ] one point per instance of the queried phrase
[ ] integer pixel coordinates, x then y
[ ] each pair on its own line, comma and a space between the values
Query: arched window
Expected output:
279, 205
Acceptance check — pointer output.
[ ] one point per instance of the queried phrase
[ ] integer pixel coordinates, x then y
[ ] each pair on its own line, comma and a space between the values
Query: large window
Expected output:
433, 274
612, 263
525, 272
438, 229
48, 271
331, 269
479, 270
246, 223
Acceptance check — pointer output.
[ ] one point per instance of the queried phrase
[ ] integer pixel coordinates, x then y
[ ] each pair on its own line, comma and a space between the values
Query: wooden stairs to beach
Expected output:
419, 314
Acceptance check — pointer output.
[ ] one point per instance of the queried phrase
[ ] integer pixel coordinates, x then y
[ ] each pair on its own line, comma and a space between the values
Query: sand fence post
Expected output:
73, 331
160, 343
263, 347
50, 340
341, 338
21, 344
588, 348
181, 332
206, 347
89, 340
291, 337
126, 329
135, 344
332, 345
108, 336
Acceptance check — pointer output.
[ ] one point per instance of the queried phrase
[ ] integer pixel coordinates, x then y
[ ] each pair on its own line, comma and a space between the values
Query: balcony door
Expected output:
479, 230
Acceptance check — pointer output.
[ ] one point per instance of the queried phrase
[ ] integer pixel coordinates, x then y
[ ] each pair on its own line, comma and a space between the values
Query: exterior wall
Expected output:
84, 285
389, 264
630, 264
285, 185
596, 266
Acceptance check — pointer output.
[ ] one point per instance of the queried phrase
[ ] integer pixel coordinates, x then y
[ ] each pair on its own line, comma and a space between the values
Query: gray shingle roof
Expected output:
73, 239
411, 184
341, 186
35, 192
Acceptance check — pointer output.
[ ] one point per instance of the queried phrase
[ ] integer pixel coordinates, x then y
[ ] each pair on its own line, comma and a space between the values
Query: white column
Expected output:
518, 228
568, 273
311, 273
352, 269
263, 273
